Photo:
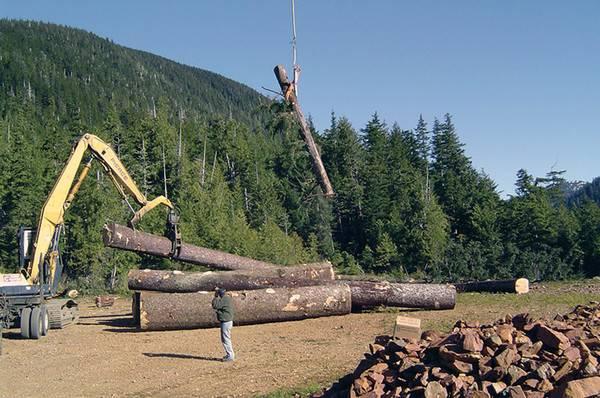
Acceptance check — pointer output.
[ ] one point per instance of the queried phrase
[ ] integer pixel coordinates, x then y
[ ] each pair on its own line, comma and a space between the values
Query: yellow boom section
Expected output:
64, 191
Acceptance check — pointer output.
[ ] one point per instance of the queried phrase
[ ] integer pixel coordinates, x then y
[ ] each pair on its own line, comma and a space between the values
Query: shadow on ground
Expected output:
180, 356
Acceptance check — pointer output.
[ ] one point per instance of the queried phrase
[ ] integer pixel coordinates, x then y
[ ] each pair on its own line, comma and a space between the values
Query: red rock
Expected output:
477, 394
534, 394
581, 388
552, 338
506, 357
572, 354
495, 374
379, 368
516, 392
438, 373
515, 374
545, 371
498, 387
531, 383
521, 338
435, 390
362, 386
472, 342
545, 386
574, 333
521, 320
461, 367
562, 371
505, 333
493, 341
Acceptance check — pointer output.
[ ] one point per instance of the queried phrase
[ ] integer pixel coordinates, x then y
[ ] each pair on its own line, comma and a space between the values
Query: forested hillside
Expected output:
408, 201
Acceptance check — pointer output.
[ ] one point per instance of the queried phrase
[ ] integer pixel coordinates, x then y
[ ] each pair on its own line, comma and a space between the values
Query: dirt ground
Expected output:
104, 356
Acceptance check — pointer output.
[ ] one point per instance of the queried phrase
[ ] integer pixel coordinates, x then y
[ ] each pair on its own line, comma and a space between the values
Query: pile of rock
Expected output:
515, 357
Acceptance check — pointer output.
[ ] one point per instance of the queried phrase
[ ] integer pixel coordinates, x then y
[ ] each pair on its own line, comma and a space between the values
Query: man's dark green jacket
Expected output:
224, 308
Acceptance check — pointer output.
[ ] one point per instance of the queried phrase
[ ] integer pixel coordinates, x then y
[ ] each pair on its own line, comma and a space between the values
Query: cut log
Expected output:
121, 237
171, 311
317, 163
519, 286
180, 282
408, 295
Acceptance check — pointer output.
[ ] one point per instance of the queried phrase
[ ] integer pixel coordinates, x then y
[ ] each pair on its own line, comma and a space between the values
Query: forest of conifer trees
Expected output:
409, 203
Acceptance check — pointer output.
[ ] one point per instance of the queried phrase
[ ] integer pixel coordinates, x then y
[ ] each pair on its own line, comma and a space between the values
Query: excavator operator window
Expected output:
25, 237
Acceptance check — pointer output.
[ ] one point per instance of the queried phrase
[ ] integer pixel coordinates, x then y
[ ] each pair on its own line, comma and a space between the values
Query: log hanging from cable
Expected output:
171, 311
180, 282
121, 237
519, 286
287, 88
367, 294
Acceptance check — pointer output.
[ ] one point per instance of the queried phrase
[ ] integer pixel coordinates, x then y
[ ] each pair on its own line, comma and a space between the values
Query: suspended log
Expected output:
287, 89
180, 282
519, 286
121, 237
171, 311
408, 295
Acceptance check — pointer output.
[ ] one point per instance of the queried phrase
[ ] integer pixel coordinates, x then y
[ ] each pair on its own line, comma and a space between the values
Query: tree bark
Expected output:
121, 237
317, 163
519, 286
408, 295
180, 282
171, 311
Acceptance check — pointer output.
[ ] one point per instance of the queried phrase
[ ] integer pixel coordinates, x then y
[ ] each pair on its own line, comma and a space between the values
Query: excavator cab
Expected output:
25, 239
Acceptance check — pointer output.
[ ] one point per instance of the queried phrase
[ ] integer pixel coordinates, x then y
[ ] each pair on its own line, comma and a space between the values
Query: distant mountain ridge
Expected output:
69, 67
588, 191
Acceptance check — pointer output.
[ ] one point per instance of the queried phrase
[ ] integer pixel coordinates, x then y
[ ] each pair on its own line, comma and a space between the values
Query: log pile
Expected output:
261, 292
514, 357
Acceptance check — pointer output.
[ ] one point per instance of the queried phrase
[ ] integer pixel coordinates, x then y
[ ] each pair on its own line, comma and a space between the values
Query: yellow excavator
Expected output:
29, 298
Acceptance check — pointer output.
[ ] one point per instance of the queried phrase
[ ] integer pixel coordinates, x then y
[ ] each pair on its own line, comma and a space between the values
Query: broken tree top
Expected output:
121, 237
514, 357
287, 88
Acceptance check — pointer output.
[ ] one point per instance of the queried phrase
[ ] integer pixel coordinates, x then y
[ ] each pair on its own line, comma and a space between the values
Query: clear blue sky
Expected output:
521, 78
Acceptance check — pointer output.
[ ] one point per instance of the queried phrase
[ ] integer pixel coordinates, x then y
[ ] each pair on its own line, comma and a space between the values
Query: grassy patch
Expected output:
299, 392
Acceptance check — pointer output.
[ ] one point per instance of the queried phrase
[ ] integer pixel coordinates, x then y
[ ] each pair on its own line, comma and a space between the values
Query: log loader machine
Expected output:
30, 298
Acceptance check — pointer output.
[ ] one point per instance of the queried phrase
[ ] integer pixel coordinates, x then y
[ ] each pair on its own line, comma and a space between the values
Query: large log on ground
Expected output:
121, 237
180, 282
408, 295
518, 286
289, 94
171, 311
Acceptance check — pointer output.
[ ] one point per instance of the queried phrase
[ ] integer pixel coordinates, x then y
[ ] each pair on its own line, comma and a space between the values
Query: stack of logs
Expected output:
514, 357
261, 292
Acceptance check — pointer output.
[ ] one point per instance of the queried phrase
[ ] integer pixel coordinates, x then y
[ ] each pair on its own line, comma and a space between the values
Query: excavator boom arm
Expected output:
66, 187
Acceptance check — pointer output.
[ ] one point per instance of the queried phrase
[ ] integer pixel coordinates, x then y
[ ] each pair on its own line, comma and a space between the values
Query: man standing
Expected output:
224, 308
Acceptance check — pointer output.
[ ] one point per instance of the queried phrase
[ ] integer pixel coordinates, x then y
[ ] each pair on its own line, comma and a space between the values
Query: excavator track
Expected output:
62, 312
